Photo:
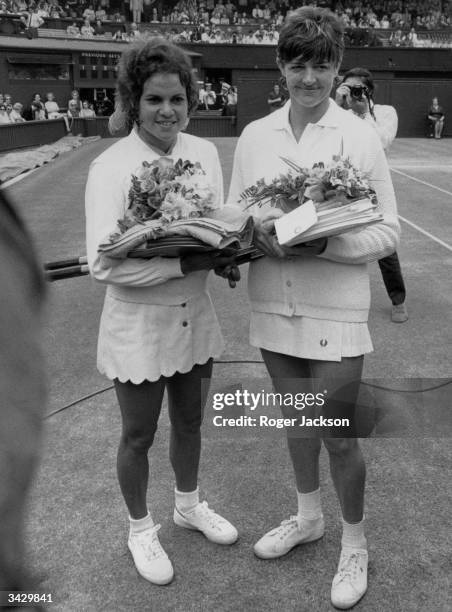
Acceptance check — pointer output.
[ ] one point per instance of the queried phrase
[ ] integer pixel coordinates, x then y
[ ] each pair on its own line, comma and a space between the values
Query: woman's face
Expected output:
435, 101
309, 82
163, 110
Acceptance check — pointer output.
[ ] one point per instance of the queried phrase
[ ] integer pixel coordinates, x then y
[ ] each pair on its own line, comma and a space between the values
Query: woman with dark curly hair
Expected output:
158, 327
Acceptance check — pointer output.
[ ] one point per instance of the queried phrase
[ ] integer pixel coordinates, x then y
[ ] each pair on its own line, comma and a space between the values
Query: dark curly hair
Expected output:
141, 61
312, 33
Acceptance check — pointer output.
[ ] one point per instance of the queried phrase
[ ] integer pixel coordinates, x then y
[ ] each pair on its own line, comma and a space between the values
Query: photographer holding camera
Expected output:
356, 94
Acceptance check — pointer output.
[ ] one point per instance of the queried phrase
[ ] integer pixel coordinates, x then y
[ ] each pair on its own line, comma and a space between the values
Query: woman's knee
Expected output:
340, 447
186, 424
136, 440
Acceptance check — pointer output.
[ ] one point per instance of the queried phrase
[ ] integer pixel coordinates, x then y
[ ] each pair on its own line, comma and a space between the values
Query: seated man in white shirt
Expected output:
356, 93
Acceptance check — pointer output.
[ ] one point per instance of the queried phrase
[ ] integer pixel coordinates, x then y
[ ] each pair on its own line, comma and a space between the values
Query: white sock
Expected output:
186, 502
353, 535
137, 525
309, 505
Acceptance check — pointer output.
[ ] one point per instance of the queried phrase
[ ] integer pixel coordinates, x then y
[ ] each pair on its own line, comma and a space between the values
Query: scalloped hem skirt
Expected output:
139, 342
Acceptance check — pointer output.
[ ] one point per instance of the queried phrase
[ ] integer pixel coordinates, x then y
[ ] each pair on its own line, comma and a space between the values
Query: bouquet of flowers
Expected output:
171, 211
326, 200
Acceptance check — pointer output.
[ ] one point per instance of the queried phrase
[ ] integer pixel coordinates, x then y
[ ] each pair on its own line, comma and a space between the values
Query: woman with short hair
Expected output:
310, 303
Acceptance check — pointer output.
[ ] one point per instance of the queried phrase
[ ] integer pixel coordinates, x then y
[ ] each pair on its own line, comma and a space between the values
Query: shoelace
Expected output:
151, 545
349, 566
209, 514
288, 525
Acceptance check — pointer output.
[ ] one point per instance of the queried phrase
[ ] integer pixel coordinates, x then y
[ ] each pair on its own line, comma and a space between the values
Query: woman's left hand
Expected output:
307, 249
231, 272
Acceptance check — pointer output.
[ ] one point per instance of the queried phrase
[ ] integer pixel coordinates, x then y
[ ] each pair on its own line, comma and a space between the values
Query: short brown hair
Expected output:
141, 61
312, 33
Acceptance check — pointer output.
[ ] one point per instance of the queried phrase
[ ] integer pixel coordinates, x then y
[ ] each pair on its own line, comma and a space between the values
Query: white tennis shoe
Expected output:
216, 528
350, 581
150, 559
290, 533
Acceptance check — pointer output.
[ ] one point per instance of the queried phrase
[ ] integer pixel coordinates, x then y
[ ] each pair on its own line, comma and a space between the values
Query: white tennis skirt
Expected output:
140, 342
309, 338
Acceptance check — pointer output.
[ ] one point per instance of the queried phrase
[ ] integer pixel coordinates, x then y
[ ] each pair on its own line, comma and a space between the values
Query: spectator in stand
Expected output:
51, 107
119, 35
75, 97
136, 8
89, 14
16, 114
396, 39
4, 117
101, 14
73, 110
210, 97
87, 112
384, 23
43, 10
356, 94
230, 108
436, 119
99, 29
7, 99
411, 38
87, 30
53, 110
276, 98
38, 112
73, 29
134, 32
105, 106
34, 21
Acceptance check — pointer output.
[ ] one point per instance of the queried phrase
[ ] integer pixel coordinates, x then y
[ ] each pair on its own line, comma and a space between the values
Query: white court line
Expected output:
413, 225
17, 178
413, 178
422, 231
421, 166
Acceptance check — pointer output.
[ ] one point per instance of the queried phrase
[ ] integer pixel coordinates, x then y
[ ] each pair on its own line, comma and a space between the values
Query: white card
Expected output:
295, 223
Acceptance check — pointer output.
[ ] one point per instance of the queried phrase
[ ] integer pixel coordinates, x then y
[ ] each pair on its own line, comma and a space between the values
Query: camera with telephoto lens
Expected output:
358, 91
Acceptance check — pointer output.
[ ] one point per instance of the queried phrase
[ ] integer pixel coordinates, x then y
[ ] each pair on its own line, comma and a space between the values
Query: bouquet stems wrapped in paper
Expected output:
172, 212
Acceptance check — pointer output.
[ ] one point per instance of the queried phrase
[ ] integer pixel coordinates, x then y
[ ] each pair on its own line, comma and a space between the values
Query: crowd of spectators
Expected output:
233, 21
41, 110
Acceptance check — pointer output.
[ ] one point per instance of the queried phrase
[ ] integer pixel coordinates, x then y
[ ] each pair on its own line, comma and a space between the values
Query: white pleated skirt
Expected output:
309, 338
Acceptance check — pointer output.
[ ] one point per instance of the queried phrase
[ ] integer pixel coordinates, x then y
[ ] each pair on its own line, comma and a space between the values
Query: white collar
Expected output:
331, 117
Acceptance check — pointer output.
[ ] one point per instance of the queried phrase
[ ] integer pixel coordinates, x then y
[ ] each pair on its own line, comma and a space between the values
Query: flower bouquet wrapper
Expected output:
326, 200
226, 227
305, 223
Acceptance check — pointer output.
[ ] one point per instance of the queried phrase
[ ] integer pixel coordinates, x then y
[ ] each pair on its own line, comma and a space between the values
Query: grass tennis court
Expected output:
77, 526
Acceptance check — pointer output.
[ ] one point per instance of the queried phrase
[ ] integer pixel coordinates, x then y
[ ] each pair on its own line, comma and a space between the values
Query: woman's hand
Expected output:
306, 249
264, 234
231, 272
344, 99
342, 96
207, 261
